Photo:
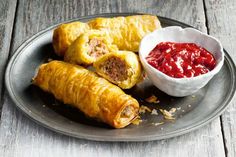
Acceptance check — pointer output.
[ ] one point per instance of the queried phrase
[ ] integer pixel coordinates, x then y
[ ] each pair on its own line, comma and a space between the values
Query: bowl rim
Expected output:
180, 80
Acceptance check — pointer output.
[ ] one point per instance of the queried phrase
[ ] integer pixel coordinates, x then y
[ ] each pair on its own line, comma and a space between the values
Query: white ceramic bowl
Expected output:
180, 86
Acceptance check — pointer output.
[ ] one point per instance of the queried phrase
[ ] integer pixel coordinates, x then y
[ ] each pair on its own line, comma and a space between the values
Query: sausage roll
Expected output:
83, 89
88, 47
65, 34
127, 32
121, 68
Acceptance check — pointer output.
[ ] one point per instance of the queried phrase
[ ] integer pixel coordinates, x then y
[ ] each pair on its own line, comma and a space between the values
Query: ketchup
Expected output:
181, 60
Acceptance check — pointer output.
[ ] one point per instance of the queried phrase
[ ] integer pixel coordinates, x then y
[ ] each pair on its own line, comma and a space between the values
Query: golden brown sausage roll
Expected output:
121, 68
65, 34
83, 89
127, 32
88, 47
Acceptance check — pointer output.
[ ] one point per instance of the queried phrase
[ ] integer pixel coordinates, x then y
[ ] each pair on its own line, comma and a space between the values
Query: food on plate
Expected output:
152, 99
88, 47
65, 34
83, 89
154, 112
143, 109
169, 115
181, 60
109, 44
121, 68
137, 121
127, 32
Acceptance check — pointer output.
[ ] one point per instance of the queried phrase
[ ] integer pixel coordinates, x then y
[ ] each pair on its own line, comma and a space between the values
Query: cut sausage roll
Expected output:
94, 96
65, 34
127, 32
121, 68
88, 47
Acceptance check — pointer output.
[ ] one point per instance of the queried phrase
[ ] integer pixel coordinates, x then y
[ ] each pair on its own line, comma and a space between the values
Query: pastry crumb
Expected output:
178, 108
189, 105
143, 109
156, 124
137, 121
154, 112
152, 99
172, 110
44, 106
168, 114
193, 96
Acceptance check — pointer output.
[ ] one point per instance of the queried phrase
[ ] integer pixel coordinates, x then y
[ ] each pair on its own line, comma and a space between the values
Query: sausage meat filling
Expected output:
115, 68
127, 112
97, 48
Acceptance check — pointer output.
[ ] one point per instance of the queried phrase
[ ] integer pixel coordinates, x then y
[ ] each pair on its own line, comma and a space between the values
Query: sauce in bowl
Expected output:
181, 60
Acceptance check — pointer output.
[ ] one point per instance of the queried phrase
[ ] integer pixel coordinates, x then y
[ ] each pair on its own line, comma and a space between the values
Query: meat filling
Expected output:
127, 112
115, 68
97, 48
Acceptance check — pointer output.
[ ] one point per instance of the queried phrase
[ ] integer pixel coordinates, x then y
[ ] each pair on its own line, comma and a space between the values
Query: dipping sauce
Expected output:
181, 60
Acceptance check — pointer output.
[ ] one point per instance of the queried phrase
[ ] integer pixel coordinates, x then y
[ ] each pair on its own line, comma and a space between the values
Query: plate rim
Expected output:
38, 120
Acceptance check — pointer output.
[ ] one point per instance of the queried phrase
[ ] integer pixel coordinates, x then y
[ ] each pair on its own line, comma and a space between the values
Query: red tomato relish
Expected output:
181, 60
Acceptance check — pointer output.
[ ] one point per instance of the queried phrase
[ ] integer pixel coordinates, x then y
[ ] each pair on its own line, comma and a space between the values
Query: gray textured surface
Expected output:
221, 22
22, 137
7, 14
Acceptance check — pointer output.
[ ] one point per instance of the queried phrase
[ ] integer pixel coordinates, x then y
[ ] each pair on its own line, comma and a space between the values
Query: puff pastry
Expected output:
65, 34
83, 89
88, 47
125, 32
121, 68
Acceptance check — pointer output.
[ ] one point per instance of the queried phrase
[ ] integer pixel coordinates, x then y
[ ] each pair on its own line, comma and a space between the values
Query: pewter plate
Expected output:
193, 111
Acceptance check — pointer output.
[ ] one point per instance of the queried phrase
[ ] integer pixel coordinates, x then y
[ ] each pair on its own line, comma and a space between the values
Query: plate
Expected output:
192, 111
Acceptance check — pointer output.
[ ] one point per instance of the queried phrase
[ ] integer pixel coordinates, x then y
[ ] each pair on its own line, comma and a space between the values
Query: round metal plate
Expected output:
192, 112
